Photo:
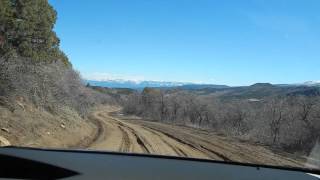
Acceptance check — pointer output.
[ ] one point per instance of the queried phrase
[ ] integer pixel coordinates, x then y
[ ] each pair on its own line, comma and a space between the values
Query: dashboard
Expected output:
29, 163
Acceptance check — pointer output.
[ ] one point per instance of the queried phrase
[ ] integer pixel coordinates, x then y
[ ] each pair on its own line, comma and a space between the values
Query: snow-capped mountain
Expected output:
312, 83
307, 83
120, 83
140, 84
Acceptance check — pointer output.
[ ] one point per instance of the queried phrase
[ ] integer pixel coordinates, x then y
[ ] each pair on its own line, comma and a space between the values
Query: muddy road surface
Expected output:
133, 135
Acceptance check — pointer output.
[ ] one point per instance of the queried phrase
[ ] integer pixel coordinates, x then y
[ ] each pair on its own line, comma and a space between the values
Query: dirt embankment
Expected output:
32, 127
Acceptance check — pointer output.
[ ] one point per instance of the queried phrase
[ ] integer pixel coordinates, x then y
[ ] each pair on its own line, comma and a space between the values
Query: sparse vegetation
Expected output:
32, 65
42, 98
287, 122
37, 82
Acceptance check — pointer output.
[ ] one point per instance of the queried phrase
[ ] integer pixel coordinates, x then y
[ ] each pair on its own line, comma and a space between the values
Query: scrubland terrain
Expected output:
45, 103
107, 129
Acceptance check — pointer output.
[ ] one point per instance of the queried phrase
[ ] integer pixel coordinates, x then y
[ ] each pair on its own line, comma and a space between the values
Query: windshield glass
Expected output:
232, 81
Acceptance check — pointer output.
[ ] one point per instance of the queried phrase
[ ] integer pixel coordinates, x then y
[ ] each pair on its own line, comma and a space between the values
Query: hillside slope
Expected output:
43, 101
44, 104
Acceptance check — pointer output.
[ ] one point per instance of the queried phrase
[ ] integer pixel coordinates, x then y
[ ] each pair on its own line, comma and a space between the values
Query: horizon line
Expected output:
196, 83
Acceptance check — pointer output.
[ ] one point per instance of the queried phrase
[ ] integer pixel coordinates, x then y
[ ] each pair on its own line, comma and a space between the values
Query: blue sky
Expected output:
233, 42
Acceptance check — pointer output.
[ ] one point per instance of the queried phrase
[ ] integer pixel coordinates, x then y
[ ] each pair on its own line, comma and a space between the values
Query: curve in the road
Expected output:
114, 134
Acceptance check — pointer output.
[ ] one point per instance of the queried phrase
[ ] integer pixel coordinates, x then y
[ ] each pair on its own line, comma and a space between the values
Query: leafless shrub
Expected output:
291, 123
50, 86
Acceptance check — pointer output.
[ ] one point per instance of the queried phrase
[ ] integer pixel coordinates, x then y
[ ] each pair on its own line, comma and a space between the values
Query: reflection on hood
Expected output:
314, 157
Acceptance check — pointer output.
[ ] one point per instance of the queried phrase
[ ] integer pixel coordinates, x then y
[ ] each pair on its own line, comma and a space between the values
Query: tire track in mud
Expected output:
115, 134
100, 130
177, 150
92, 139
140, 140
223, 157
125, 141
141, 143
201, 148
144, 144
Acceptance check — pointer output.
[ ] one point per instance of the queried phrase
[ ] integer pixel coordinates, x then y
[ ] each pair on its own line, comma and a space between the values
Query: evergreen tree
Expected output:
27, 27
5, 19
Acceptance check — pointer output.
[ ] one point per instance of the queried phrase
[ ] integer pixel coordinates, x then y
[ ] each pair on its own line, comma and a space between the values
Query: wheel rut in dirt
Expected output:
121, 134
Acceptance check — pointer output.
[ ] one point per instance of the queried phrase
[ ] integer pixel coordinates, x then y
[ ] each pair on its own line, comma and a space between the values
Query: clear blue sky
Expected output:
233, 42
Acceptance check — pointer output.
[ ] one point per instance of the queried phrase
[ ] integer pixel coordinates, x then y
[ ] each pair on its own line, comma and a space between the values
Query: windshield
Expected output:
232, 81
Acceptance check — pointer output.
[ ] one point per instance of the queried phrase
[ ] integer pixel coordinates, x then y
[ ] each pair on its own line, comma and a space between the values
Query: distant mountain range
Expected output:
261, 90
312, 83
254, 92
120, 83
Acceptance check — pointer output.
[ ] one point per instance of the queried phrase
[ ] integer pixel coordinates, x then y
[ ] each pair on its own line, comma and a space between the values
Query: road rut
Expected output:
120, 133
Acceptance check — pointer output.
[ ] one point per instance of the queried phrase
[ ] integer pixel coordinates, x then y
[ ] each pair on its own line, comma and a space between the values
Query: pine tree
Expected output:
5, 15
27, 26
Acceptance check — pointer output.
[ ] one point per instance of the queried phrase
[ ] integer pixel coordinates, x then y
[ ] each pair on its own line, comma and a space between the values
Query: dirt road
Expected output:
125, 134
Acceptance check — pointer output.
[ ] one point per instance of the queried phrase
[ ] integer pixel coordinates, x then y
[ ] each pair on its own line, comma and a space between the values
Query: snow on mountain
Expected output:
312, 83
140, 84
120, 83
307, 83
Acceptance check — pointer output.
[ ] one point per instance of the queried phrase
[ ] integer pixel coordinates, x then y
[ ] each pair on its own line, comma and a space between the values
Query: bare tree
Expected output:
162, 106
174, 107
235, 115
276, 115
308, 114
